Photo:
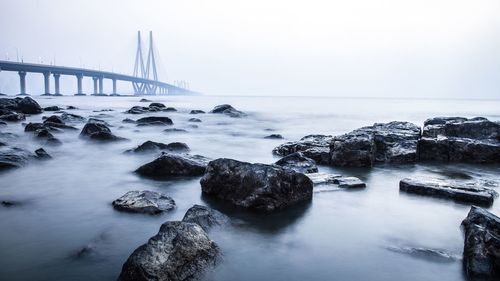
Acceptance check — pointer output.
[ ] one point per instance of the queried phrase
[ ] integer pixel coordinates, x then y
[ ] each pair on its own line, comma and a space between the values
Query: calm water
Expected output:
340, 235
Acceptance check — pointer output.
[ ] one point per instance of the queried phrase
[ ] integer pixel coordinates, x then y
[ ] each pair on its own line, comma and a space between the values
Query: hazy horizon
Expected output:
430, 49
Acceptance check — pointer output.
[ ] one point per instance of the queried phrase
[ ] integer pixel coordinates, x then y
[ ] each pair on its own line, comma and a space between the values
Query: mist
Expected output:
362, 48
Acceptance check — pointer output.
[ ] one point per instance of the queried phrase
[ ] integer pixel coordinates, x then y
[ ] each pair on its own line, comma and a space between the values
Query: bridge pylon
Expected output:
148, 71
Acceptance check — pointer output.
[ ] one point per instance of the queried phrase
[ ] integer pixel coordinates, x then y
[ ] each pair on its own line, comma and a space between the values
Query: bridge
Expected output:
141, 81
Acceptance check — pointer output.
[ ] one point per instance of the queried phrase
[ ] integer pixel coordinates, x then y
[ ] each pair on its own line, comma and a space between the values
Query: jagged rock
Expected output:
151, 146
482, 244
205, 217
144, 202
175, 130
298, 162
42, 154
460, 139
99, 131
154, 120
196, 120
349, 182
180, 251
462, 191
228, 110
316, 147
52, 108
196, 111
274, 136
172, 165
255, 186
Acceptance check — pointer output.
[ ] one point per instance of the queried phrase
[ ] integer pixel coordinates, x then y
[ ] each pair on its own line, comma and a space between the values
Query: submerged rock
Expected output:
205, 217
482, 244
172, 165
144, 202
196, 111
460, 139
151, 146
228, 110
154, 120
195, 120
42, 154
12, 117
169, 109
14, 157
274, 136
255, 186
429, 254
175, 130
180, 251
145, 100
298, 162
462, 191
316, 147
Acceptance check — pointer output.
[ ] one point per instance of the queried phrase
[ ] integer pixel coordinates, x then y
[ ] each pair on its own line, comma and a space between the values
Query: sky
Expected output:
355, 48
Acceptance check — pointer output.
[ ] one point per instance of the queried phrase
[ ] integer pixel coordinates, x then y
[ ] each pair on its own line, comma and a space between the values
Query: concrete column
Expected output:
101, 86
114, 87
95, 85
46, 78
22, 81
79, 92
57, 91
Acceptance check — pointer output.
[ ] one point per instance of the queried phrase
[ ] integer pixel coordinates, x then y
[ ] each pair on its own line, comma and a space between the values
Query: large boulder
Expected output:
228, 110
316, 147
181, 251
298, 162
98, 130
151, 146
481, 256
462, 191
154, 120
174, 165
393, 142
205, 217
255, 186
145, 201
25, 105
460, 139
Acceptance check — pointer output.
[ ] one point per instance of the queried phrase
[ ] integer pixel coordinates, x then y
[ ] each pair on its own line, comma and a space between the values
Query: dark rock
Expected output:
228, 110
13, 157
69, 117
128, 120
28, 105
144, 100
298, 162
274, 136
322, 178
138, 110
154, 120
462, 191
205, 217
53, 141
13, 117
144, 202
42, 154
316, 147
482, 244
169, 109
31, 127
175, 130
8, 203
180, 251
43, 133
196, 111
105, 137
52, 108
255, 186
172, 165
54, 119
99, 131
69, 107
151, 146
3, 123
196, 120
157, 105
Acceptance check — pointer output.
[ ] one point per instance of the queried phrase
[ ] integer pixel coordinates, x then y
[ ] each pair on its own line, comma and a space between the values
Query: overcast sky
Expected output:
400, 48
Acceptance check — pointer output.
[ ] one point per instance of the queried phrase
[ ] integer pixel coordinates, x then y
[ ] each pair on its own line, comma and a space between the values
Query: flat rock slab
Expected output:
461, 191
349, 182
322, 178
145, 201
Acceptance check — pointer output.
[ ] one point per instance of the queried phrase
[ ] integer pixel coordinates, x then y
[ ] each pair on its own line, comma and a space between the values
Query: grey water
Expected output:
339, 235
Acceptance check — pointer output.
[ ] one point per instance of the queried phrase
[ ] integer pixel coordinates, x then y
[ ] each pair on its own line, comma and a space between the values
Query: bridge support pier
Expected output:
79, 91
46, 79
114, 88
22, 83
57, 91
101, 86
95, 86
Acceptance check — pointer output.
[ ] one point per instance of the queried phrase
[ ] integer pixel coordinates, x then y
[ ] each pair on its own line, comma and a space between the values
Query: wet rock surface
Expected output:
298, 162
174, 165
255, 186
205, 217
462, 191
228, 110
196, 111
349, 182
195, 120
153, 107
481, 255
144, 202
14, 157
151, 146
316, 147
180, 251
274, 136
154, 120
98, 130
52, 108
429, 254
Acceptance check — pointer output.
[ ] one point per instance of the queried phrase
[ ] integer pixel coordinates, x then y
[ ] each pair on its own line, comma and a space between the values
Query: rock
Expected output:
28, 105
157, 105
70, 107
193, 126
298, 162
349, 182
169, 109
52, 108
196, 111
316, 147
137, 110
144, 202
13, 117
255, 186
42, 154
460, 139
393, 142
8, 203
322, 178
3, 123
98, 130
151, 146
462, 191
13, 157
69, 117
429, 254
43, 133
128, 120
195, 120
145, 100
481, 256
228, 110
180, 251
205, 217
154, 120
274, 136
172, 165
54, 119
175, 130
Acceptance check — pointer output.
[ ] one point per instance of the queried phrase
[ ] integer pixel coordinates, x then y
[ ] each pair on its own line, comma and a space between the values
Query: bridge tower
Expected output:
139, 70
148, 71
